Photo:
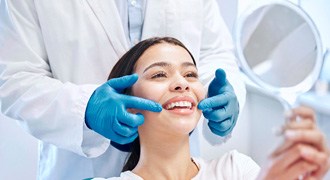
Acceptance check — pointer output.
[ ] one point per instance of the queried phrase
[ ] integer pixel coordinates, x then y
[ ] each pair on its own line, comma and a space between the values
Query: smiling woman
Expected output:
168, 75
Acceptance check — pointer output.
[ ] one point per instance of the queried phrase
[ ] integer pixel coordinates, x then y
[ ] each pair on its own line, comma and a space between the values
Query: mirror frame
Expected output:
309, 81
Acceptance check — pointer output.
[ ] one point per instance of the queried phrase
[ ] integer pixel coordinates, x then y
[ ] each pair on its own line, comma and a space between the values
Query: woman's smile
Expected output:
183, 105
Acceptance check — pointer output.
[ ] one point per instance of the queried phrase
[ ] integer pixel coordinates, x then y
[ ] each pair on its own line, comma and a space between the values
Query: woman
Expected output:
168, 75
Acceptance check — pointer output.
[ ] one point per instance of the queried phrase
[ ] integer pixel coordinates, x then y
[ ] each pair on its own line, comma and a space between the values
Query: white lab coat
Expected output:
53, 55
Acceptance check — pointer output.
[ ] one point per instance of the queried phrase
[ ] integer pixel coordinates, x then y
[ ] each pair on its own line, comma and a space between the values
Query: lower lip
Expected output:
182, 111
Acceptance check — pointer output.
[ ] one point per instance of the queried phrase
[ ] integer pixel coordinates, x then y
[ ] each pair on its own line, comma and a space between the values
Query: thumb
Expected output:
220, 77
121, 83
218, 82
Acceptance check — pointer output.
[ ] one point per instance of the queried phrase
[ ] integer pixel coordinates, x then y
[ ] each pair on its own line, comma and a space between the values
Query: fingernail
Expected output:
290, 134
306, 153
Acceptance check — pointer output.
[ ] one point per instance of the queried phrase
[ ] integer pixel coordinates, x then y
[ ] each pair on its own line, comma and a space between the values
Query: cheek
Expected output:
200, 91
146, 90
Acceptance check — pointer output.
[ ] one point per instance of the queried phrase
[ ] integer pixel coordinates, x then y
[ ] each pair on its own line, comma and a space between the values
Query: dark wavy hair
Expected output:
125, 66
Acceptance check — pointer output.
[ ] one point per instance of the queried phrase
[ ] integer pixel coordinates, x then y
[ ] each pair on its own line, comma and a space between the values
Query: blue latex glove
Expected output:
221, 107
107, 114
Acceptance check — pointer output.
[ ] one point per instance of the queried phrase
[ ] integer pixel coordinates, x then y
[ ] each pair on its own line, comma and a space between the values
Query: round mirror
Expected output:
279, 48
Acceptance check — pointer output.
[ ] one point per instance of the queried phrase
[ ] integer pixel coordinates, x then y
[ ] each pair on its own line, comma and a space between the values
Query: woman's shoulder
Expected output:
231, 157
232, 165
235, 157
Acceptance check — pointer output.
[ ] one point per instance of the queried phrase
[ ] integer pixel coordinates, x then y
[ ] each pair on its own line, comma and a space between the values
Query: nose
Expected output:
180, 84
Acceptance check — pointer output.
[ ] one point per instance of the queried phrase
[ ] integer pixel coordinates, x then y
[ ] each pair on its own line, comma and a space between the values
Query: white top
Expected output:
231, 166
56, 53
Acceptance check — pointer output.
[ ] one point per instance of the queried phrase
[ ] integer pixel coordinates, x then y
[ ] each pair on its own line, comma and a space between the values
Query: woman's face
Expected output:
168, 76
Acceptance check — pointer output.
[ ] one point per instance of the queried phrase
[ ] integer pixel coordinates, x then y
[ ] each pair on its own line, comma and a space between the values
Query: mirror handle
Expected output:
321, 86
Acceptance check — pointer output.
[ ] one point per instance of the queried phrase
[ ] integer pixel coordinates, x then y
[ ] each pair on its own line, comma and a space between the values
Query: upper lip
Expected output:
180, 99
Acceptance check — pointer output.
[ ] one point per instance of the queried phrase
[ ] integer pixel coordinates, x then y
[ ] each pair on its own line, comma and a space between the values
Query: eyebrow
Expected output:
165, 64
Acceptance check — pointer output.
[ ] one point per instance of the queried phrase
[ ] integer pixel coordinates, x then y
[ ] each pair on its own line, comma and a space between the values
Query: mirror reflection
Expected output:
279, 45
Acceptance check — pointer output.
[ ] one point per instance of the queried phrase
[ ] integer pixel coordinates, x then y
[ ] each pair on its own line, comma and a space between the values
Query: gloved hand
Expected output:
107, 114
221, 107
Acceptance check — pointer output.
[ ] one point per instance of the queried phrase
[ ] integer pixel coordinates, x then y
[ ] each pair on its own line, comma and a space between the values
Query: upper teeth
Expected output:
179, 104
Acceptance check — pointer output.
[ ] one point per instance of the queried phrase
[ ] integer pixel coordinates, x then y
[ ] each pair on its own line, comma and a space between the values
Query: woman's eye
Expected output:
158, 75
191, 75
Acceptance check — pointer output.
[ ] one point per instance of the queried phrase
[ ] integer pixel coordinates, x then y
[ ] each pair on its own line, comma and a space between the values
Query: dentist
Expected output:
54, 60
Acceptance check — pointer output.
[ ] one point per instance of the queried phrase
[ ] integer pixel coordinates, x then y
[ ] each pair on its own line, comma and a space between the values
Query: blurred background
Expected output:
253, 133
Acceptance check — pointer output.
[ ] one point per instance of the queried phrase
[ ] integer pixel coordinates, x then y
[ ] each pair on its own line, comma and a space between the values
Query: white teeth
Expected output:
179, 104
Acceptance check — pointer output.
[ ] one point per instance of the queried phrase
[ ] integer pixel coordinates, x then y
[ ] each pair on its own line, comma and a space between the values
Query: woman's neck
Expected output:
165, 158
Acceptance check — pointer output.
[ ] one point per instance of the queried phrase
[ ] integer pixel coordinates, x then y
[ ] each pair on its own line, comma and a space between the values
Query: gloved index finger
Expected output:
142, 104
122, 83
213, 102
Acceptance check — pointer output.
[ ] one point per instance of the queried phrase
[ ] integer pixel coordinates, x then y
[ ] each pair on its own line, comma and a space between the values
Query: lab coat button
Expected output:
133, 2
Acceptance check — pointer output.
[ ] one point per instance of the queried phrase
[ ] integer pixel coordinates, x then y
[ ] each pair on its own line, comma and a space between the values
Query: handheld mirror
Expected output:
279, 49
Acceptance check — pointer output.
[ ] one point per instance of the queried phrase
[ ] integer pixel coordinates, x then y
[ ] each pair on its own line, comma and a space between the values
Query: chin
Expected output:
181, 125
184, 127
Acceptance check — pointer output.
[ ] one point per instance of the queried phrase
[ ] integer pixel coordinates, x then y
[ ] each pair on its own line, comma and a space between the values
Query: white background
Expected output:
252, 135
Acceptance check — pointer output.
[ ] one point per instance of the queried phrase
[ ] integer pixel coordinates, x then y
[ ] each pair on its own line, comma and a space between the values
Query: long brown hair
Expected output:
125, 66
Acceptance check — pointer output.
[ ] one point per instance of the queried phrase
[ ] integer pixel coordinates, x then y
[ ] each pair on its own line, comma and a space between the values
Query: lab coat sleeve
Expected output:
50, 110
217, 52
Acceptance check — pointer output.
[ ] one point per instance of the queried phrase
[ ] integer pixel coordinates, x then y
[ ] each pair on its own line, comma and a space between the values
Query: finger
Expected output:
123, 130
310, 178
142, 104
299, 168
121, 83
284, 146
304, 124
303, 112
292, 158
223, 128
314, 156
132, 120
313, 137
285, 158
300, 151
217, 101
125, 140
220, 77
219, 84
218, 115
301, 126
322, 169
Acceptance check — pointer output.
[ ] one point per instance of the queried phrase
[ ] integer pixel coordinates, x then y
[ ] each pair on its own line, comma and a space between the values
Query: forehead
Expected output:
164, 52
